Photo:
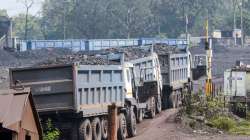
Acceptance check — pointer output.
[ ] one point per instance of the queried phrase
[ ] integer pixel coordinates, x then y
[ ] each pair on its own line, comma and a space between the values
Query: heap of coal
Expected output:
136, 52
106, 57
30, 58
77, 58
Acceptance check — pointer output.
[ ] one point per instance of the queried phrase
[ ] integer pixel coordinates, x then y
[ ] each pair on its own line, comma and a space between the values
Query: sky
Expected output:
15, 7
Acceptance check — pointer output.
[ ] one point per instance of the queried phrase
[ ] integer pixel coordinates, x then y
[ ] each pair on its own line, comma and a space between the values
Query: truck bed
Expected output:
86, 89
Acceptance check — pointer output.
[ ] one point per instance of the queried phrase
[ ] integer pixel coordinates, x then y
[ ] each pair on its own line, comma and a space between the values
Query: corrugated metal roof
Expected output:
11, 108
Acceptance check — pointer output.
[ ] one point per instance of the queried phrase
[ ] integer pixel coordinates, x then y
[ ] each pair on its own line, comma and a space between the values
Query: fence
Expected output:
95, 44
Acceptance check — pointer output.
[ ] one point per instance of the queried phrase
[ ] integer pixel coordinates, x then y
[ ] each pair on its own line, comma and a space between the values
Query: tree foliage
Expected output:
33, 27
136, 18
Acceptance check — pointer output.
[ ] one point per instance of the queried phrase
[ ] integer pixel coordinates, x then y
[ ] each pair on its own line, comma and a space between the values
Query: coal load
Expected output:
106, 57
77, 58
136, 52
30, 58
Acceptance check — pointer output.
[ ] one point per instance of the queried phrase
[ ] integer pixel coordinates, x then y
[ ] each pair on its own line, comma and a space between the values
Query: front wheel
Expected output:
158, 106
122, 128
131, 121
152, 108
139, 116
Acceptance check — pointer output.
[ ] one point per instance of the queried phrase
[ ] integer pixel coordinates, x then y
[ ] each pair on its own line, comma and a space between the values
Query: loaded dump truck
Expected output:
176, 76
173, 64
76, 96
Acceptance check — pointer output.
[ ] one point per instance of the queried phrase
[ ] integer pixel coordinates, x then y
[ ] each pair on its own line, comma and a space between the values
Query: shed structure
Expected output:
18, 117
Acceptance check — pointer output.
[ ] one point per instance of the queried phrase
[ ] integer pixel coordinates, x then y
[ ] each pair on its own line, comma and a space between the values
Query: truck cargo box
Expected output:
79, 88
174, 69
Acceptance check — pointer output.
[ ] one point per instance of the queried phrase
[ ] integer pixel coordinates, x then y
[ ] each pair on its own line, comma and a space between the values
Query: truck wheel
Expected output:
85, 130
158, 106
139, 116
96, 129
131, 123
153, 108
171, 100
104, 124
178, 98
122, 128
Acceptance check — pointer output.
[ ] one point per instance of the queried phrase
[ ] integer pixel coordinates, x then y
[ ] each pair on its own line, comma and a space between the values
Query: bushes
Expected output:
50, 132
230, 125
223, 123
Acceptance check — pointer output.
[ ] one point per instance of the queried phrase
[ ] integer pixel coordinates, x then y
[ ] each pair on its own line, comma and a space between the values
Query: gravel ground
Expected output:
164, 127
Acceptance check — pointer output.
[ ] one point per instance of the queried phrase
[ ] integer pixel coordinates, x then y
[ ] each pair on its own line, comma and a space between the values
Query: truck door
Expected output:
128, 83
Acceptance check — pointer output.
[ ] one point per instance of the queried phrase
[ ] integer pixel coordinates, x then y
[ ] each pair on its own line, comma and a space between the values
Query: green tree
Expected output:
34, 27
3, 12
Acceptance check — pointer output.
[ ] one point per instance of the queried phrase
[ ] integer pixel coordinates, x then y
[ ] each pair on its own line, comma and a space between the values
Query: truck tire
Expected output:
96, 129
122, 127
139, 116
158, 106
131, 123
104, 124
171, 100
85, 130
152, 108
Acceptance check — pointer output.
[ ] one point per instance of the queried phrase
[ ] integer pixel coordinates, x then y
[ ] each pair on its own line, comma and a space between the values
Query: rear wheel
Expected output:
139, 116
158, 106
131, 123
96, 129
152, 108
171, 100
104, 128
85, 130
122, 128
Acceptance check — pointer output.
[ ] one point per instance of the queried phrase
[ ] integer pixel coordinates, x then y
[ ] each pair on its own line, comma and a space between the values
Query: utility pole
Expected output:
241, 23
186, 17
234, 11
208, 48
64, 19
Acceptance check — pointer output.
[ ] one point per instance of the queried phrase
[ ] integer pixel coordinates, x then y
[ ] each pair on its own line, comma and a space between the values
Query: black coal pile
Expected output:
224, 57
25, 59
77, 58
29, 58
136, 52
107, 56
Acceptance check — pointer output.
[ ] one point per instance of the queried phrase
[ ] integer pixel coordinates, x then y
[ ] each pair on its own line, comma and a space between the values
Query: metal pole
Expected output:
64, 19
112, 121
241, 23
234, 11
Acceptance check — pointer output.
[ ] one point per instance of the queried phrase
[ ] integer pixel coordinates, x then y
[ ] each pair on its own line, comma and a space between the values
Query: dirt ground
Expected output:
164, 127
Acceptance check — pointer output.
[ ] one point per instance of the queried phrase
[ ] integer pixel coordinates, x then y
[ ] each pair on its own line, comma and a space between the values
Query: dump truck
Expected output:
76, 97
148, 82
176, 76
174, 65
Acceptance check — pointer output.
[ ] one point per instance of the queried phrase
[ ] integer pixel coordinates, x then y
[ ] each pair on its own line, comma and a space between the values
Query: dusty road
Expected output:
163, 127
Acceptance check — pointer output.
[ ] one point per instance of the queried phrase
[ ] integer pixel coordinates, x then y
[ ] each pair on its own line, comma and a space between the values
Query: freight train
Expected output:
92, 44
